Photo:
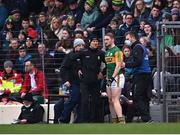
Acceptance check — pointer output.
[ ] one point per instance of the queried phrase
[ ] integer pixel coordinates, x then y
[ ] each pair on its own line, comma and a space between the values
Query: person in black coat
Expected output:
31, 112
70, 79
91, 72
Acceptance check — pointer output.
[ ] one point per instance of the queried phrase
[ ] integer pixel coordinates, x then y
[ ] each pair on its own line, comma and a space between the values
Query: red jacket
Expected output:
40, 82
12, 83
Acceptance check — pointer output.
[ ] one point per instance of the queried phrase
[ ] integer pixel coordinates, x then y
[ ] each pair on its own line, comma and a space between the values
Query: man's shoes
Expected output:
150, 121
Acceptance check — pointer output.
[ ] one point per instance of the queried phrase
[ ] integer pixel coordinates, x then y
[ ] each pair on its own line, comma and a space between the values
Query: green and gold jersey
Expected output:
112, 56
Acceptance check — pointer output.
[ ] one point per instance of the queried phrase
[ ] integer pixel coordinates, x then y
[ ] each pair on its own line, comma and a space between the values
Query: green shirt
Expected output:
112, 55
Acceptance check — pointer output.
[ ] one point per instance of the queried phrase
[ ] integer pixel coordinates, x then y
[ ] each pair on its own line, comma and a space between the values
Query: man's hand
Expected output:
80, 73
109, 81
22, 95
23, 121
123, 65
67, 84
104, 94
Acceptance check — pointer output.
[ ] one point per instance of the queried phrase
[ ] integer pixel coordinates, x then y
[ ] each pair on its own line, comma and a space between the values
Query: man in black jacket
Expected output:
90, 74
142, 75
69, 75
31, 112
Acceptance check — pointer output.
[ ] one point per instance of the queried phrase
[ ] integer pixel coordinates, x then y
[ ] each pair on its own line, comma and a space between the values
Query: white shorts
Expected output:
120, 81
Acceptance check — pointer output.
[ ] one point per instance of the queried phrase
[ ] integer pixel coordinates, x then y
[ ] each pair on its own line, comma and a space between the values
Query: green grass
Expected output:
159, 128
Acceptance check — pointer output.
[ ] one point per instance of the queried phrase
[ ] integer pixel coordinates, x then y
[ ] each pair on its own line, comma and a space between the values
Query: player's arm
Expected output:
118, 60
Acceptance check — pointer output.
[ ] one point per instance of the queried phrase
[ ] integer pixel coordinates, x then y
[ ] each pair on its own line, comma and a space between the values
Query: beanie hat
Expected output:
15, 11
166, 15
28, 97
90, 2
117, 2
174, 11
8, 63
32, 33
93, 37
78, 41
104, 3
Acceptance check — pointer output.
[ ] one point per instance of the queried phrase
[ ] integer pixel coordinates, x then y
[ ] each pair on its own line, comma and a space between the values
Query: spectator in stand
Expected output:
34, 83
168, 7
59, 54
102, 21
176, 4
78, 33
160, 3
67, 39
56, 27
16, 20
90, 14
117, 6
32, 33
50, 8
23, 57
60, 8
141, 28
154, 16
3, 14
7, 34
10, 81
175, 14
129, 5
45, 62
71, 23
43, 21
129, 25
31, 112
33, 22
25, 25
30, 46
75, 10
22, 37
140, 11
151, 34
12, 53
22, 6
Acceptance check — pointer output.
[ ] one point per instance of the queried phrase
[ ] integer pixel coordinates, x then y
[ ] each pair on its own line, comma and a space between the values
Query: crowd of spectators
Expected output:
43, 31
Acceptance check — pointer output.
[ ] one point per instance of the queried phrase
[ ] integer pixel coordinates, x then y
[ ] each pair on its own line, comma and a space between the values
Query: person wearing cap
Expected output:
23, 57
70, 79
16, 19
117, 6
75, 9
90, 74
90, 14
31, 112
10, 81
